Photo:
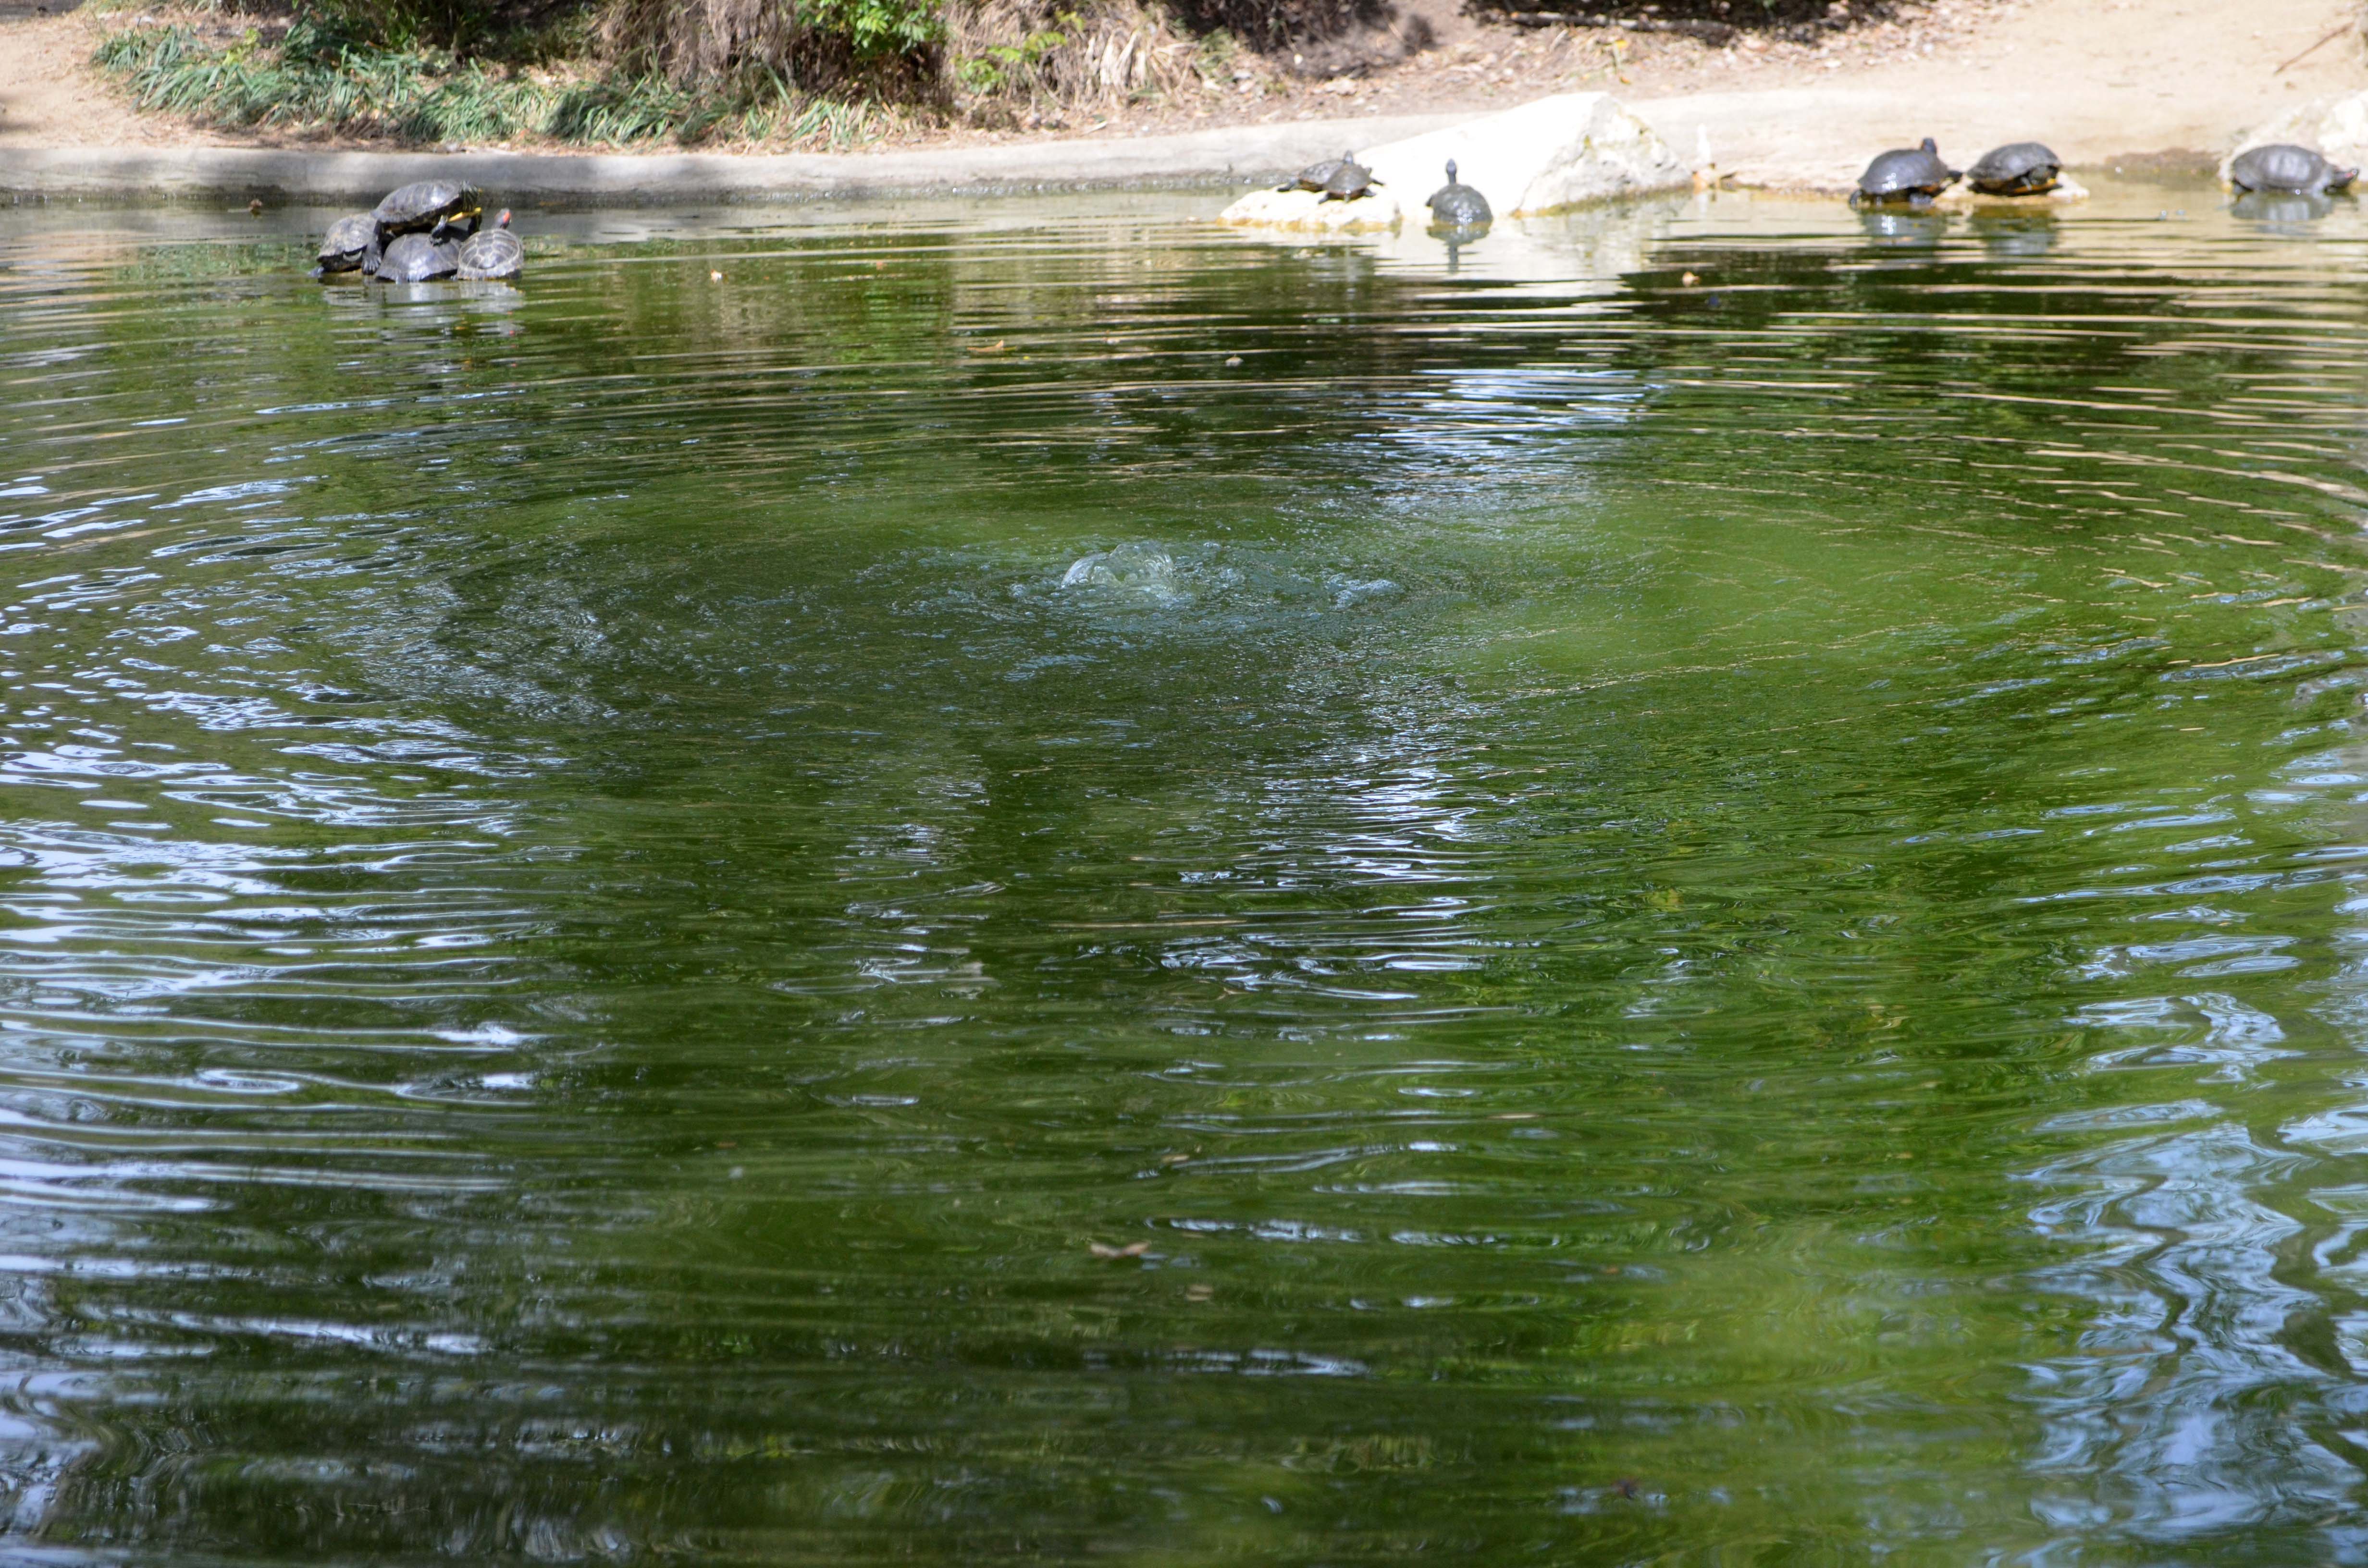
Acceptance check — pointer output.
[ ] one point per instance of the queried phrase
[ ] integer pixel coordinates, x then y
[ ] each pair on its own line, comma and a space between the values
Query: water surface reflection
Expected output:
1034, 882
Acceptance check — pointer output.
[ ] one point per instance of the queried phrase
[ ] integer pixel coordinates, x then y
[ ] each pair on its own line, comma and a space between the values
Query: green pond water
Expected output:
1028, 883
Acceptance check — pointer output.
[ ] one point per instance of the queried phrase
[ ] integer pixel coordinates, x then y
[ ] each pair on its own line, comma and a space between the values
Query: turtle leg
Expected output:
1919, 199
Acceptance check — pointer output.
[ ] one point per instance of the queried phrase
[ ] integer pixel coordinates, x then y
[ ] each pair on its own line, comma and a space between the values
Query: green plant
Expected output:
994, 69
873, 28
318, 77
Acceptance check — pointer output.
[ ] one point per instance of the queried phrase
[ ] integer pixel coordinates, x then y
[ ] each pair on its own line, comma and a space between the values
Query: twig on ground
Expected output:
2314, 49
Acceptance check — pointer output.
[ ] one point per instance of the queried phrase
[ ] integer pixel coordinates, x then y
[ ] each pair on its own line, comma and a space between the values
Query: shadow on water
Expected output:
1028, 883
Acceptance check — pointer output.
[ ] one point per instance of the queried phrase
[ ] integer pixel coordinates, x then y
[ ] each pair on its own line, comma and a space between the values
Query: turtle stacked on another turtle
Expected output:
421, 232
445, 209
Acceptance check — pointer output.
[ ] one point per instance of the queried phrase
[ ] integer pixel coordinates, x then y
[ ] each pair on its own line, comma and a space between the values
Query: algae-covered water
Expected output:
1027, 882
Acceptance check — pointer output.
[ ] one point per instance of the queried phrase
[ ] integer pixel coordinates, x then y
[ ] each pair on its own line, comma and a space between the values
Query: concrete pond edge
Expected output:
282, 176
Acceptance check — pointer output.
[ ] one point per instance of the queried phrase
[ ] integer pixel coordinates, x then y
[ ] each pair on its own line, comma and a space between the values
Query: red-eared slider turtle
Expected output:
1350, 180
1912, 175
1317, 176
2019, 168
427, 206
492, 253
1456, 205
2283, 166
419, 259
347, 240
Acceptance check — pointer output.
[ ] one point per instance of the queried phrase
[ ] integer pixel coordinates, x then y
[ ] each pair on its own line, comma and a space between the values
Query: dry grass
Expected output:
1027, 60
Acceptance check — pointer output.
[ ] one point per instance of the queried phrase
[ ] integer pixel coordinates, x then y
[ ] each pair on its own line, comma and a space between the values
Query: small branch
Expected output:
2314, 49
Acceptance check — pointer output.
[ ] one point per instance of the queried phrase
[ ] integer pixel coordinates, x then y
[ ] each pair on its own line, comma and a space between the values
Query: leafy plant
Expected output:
876, 27
994, 69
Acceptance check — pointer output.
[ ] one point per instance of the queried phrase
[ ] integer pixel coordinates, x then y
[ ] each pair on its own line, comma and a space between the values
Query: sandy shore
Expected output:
2103, 81
2100, 81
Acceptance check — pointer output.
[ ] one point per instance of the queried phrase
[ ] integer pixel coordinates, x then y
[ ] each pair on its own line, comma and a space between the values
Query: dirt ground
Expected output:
2100, 79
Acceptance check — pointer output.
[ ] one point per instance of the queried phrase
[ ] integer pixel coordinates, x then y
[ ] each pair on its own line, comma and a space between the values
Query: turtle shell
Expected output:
2284, 166
1317, 175
495, 253
1459, 207
416, 258
1351, 181
424, 204
2019, 168
347, 240
1906, 173
1456, 205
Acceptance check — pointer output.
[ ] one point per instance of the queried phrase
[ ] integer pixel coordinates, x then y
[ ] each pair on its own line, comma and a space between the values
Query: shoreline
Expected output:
1200, 159
1229, 158
2167, 84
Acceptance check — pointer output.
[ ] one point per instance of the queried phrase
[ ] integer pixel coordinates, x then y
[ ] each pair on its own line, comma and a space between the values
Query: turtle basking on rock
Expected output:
2019, 168
1350, 180
2283, 167
1340, 179
1317, 176
1458, 206
1910, 174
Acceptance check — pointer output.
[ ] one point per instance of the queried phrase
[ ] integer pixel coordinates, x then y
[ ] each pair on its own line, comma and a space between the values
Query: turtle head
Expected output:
1450, 171
504, 221
1930, 145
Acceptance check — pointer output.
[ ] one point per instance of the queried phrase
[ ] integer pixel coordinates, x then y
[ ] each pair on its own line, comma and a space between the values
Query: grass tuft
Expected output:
316, 79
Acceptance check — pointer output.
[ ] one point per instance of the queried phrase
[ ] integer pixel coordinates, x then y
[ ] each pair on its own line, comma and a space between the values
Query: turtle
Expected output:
1913, 175
2284, 166
348, 240
1458, 206
419, 259
1351, 179
492, 253
1317, 176
2019, 168
425, 205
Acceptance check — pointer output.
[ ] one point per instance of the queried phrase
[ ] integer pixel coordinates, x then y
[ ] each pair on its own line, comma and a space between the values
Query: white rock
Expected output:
1556, 153
1307, 211
1965, 198
2343, 131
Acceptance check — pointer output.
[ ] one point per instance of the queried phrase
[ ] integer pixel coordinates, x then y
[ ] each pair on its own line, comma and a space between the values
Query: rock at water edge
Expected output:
1560, 152
1306, 211
1964, 198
